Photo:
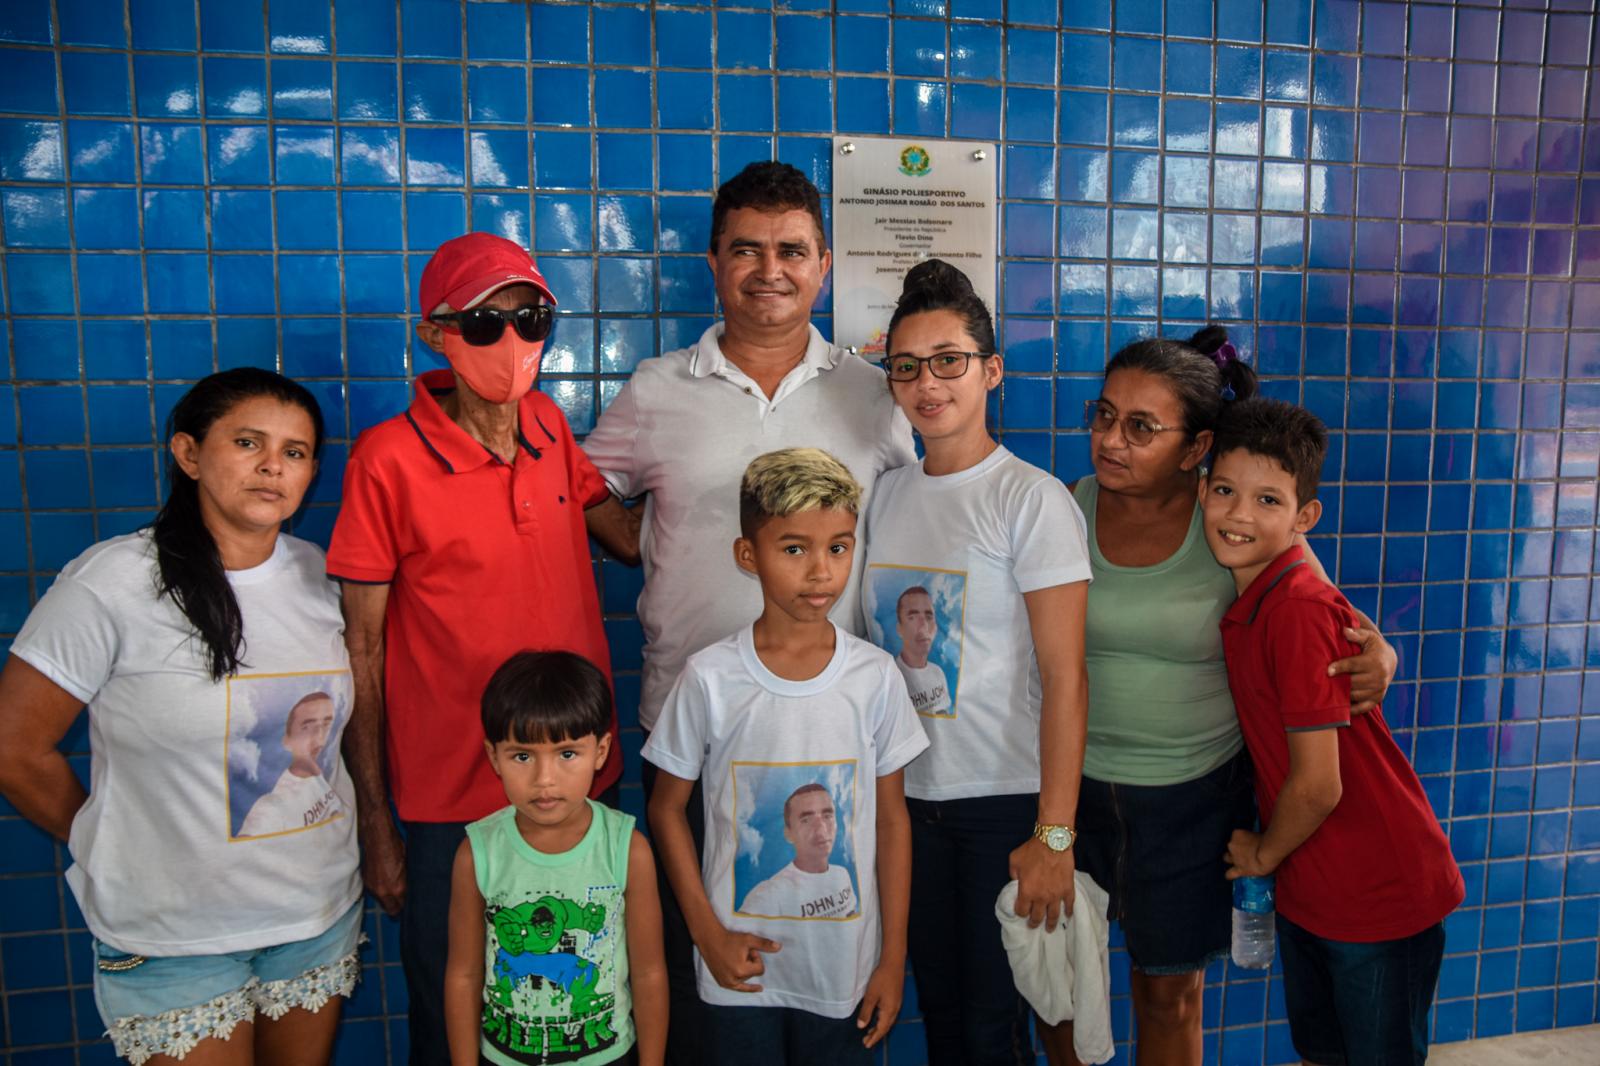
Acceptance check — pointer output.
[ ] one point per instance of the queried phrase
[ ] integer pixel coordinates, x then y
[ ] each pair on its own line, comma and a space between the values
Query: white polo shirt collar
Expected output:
707, 360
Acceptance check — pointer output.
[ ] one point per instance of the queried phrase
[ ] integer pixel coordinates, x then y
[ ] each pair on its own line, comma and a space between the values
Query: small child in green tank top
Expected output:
555, 926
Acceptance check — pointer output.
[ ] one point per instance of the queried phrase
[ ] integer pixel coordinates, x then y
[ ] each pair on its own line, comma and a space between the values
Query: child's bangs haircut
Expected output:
546, 697
787, 482
1283, 432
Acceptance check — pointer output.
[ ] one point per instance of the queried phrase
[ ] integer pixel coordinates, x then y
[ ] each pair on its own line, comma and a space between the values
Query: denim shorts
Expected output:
1359, 1003
1157, 851
165, 1005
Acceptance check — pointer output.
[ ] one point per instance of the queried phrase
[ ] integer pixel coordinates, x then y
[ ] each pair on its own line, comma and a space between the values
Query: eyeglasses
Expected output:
944, 365
483, 326
1099, 417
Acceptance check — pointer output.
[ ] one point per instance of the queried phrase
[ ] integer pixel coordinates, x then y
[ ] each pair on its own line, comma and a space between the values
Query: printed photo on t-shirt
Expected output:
551, 990
916, 616
795, 857
282, 751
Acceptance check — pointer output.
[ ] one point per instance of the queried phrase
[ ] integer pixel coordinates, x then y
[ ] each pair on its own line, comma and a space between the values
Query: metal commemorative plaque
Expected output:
896, 202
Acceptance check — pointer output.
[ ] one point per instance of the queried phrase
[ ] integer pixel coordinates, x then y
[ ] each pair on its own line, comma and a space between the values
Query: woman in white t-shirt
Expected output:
996, 547
209, 652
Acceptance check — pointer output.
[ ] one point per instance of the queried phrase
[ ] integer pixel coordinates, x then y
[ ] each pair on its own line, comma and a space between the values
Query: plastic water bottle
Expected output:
1254, 940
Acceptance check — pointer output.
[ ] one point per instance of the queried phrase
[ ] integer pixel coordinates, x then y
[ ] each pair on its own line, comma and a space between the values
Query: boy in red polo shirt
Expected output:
460, 541
1365, 875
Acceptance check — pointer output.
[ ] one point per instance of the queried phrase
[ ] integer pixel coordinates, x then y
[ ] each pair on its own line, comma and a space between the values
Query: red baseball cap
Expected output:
467, 269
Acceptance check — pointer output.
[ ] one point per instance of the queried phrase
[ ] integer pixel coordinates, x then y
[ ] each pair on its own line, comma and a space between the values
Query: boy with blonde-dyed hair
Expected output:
782, 483
788, 706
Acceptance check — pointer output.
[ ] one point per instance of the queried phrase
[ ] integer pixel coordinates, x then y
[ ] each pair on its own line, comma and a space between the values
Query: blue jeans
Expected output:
972, 1013
1365, 1004
779, 1036
425, 933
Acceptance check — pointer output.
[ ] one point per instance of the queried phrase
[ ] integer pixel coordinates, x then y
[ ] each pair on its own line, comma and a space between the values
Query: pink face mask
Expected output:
501, 372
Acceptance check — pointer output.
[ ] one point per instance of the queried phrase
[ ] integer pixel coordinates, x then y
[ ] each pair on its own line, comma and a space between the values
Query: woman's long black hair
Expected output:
188, 564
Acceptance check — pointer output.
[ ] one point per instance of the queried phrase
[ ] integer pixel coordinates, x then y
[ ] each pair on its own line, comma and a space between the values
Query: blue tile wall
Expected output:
1395, 208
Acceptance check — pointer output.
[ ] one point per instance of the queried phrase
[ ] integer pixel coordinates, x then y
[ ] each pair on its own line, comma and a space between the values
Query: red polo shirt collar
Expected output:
1244, 608
453, 446
483, 558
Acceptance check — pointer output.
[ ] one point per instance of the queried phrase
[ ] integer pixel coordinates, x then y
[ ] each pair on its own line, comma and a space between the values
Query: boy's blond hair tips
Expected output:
792, 480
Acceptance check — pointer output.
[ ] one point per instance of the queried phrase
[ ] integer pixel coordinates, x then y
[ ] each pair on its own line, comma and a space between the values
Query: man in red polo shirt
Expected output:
461, 541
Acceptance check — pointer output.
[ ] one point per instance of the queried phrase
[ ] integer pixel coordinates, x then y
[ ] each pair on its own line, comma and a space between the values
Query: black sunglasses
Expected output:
483, 326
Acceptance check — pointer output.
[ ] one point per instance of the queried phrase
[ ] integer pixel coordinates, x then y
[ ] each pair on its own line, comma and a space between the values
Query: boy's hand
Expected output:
1244, 856
1044, 883
733, 957
885, 990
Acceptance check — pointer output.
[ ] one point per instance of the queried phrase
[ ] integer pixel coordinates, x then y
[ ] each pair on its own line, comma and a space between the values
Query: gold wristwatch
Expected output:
1055, 837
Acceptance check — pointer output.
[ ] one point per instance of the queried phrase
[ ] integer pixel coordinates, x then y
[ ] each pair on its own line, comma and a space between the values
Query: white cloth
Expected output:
794, 893
294, 803
929, 688
753, 739
1064, 974
683, 429
975, 541
176, 759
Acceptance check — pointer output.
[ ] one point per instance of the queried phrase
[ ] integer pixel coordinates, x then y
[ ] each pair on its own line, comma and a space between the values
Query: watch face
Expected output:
1058, 839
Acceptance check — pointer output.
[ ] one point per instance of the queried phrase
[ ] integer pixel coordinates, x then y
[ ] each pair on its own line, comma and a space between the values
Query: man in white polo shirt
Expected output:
685, 426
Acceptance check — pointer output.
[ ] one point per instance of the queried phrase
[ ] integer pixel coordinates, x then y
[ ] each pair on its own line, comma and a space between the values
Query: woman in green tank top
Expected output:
1165, 778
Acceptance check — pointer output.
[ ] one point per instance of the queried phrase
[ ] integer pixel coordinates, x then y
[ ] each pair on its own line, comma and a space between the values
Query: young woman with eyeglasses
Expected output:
976, 576
1165, 777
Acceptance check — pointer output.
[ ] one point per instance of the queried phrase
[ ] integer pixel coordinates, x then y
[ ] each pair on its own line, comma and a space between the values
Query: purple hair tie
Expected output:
1224, 355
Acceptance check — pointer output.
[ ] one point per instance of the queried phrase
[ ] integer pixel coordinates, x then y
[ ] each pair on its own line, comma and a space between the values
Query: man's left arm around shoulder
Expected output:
1309, 794
610, 460
616, 528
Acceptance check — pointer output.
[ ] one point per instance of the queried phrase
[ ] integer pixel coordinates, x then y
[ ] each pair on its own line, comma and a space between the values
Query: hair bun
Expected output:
938, 279
1208, 339
1238, 377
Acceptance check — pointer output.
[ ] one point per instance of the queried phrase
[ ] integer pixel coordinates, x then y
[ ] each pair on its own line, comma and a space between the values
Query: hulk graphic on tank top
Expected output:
543, 1002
